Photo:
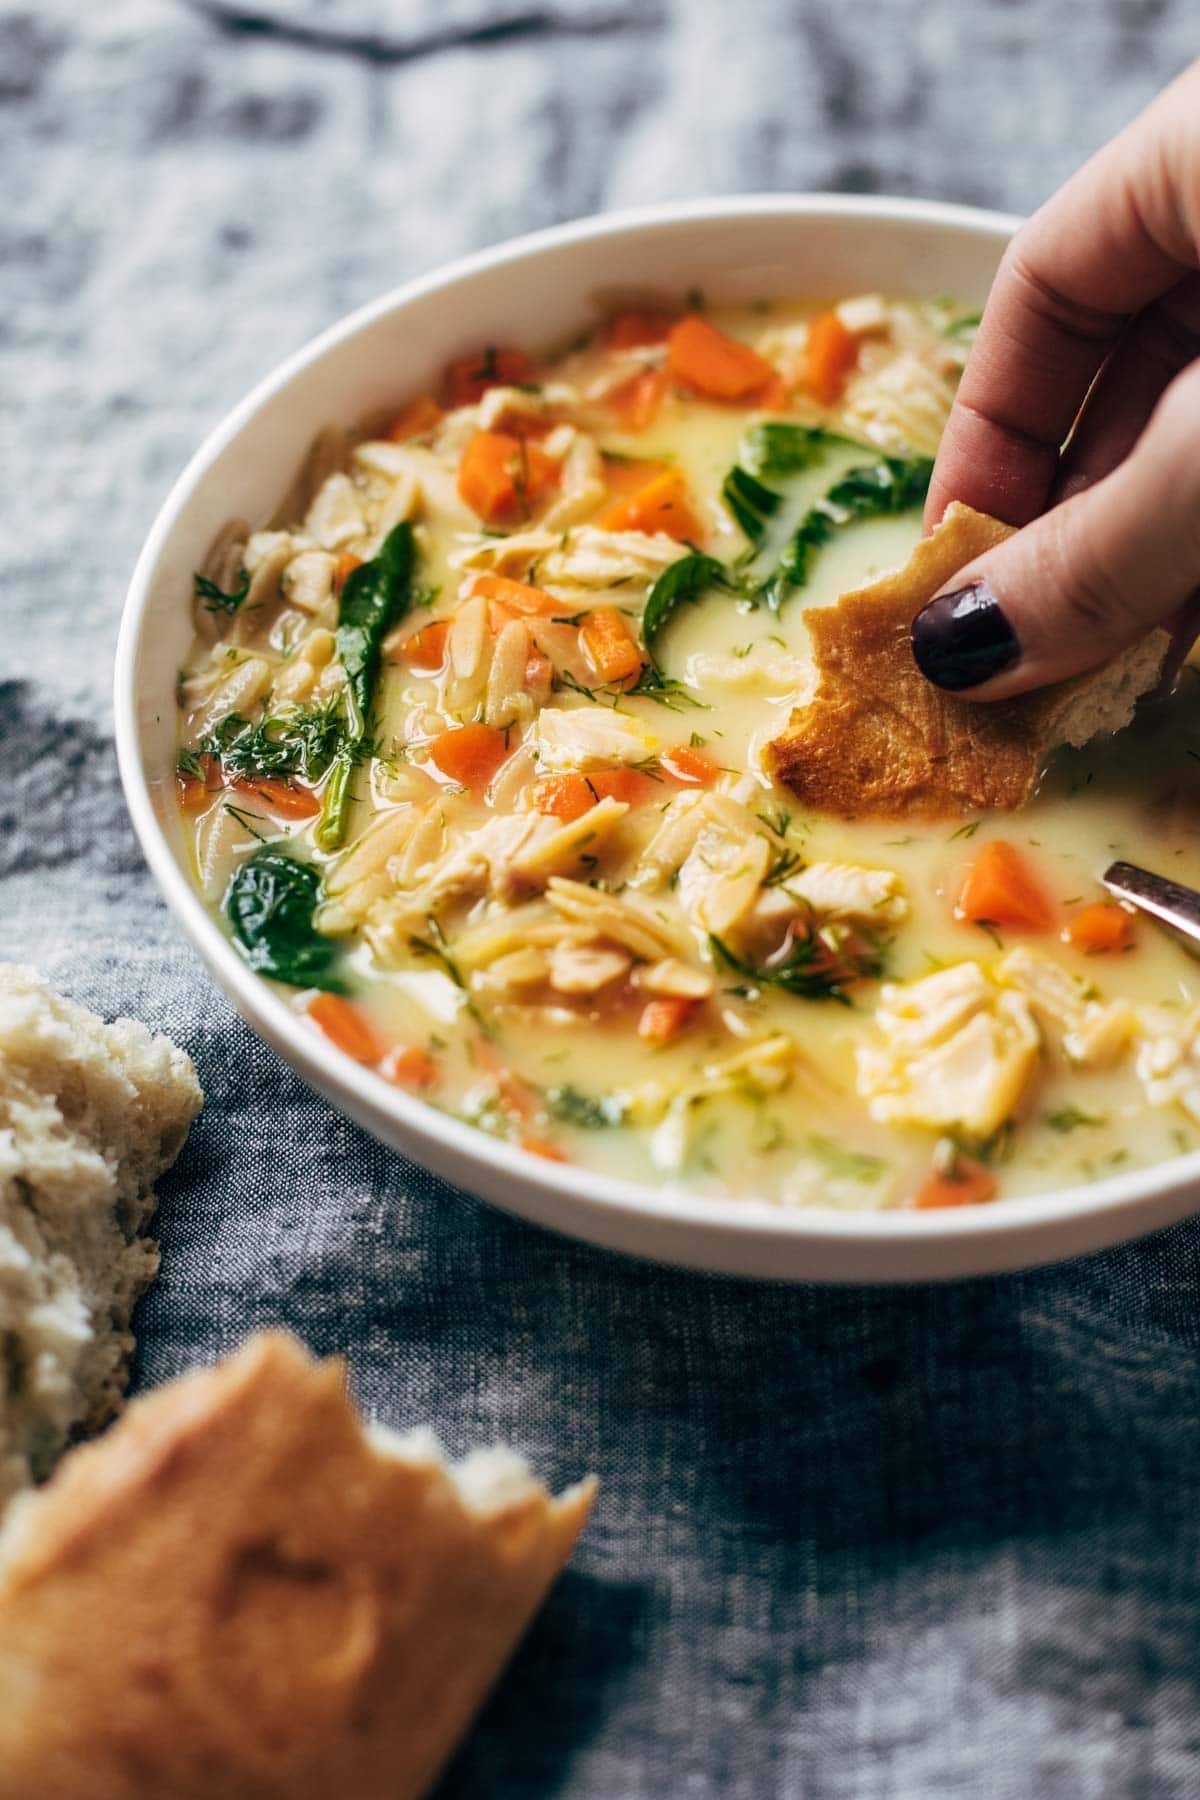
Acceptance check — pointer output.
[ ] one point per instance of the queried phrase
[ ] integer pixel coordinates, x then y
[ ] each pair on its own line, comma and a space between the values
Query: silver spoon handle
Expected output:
1170, 901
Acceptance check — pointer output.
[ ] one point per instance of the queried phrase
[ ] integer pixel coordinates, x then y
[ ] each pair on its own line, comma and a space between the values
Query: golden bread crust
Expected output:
234, 1592
878, 740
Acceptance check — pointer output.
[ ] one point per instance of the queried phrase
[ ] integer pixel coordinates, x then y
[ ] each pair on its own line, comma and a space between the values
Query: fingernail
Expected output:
963, 638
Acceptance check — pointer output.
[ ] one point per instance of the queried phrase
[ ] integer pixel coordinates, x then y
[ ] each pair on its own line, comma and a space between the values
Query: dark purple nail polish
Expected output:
963, 638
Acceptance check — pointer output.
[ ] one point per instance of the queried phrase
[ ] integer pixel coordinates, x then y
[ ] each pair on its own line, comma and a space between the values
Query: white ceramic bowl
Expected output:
532, 291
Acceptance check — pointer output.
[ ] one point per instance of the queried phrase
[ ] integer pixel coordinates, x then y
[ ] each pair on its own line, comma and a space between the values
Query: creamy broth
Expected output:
613, 1001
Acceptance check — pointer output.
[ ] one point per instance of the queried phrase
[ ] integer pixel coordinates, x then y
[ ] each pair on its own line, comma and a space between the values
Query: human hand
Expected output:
1101, 286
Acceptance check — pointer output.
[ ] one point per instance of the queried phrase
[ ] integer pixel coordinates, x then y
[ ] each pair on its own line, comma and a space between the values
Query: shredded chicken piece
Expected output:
590, 737
848, 891
625, 918
953, 1050
335, 517
1093, 1033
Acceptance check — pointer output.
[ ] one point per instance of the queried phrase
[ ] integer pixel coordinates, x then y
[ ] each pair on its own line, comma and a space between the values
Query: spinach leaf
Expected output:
270, 904
875, 490
681, 582
776, 447
375, 597
215, 598
749, 501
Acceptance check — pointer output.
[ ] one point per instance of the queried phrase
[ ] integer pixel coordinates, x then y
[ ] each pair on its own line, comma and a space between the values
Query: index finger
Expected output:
1112, 239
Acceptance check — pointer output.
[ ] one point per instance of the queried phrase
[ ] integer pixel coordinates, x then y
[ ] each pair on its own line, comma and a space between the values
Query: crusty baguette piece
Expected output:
90, 1116
239, 1593
875, 739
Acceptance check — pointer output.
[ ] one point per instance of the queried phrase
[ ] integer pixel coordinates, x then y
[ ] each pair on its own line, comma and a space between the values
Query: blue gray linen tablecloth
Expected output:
855, 1545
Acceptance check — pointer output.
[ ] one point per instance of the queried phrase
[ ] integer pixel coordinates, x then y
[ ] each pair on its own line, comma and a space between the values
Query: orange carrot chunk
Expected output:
540, 1146
830, 353
345, 1026
425, 650
1001, 889
662, 504
520, 598
964, 1183
280, 797
469, 754
629, 330
413, 420
344, 568
501, 477
468, 378
637, 401
663, 1019
568, 797
565, 797
608, 644
195, 792
703, 358
410, 1067
688, 766
1099, 930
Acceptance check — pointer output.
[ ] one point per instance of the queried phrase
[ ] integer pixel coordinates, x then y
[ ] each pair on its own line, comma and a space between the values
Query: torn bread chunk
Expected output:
240, 1590
877, 740
90, 1115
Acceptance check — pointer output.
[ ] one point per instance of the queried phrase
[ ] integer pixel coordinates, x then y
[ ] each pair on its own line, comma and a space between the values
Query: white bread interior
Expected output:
90, 1116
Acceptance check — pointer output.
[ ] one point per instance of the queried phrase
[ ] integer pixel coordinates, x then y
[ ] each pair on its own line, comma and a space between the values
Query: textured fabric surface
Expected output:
850, 1545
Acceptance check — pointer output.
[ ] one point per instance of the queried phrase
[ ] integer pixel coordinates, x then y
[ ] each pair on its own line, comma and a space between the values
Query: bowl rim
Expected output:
364, 1095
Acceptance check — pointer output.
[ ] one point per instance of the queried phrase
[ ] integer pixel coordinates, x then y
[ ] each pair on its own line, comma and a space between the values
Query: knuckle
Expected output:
1089, 598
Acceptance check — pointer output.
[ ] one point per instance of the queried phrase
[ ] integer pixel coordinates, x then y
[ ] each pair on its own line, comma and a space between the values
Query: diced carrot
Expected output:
830, 353
629, 786
625, 475
425, 650
280, 797
1001, 889
469, 754
628, 330
565, 797
964, 1183
539, 1146
345, 1026
1099, 929
468, 378
409, 1067
503, 477
703, 358
663, 1019
568, 797
662, 504
637, 401
413, 420
195, 792
608, 644
774, 397
520, 598
346, 565
687, 766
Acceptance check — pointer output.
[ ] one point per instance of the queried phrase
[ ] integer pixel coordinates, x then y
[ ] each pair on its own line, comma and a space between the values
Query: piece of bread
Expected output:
239, 1593
90, 1116
876, 739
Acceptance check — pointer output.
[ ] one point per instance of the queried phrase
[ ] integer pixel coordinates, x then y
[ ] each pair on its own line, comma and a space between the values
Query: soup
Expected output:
472, 762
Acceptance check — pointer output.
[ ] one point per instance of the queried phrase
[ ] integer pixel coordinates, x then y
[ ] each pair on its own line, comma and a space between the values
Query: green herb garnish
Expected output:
215, 598
821, 965
592, 1112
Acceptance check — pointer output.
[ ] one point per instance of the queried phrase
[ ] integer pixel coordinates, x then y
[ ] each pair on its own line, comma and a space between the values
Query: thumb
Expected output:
1084, 580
